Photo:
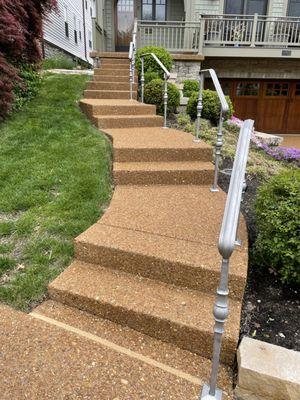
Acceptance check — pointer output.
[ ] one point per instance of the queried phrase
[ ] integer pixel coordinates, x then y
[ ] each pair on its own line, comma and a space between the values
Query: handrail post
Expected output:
165, 100
142, 78
219, 144
199, 107
254, 30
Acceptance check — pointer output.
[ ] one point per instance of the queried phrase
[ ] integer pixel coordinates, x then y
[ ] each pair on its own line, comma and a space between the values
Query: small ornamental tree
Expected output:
21, 27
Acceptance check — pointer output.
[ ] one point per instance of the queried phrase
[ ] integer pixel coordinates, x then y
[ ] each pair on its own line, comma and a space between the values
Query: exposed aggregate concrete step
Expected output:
133, 144
127, 121
110, 55
176, 315
163, 173
112, 71
105, 61
111, 78
109, 107
44, 358
112, 66
167, 355
108, 94
99, 85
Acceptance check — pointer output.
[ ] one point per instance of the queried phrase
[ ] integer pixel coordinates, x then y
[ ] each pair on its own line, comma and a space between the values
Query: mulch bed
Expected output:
270, 309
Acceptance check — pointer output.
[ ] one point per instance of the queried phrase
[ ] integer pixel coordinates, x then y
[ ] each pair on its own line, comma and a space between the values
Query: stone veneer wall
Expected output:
52, 51
254, 68
186, 70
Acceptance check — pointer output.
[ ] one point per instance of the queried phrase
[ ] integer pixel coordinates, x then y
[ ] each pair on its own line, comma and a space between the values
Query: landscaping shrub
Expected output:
211, 106
27, 87
154, 95
20, 31
277, 207
150, 64
59, 62
150, 76
190, 86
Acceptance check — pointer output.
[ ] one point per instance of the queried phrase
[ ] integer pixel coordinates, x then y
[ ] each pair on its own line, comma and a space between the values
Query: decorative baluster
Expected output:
142, 79
199, 107
165, 100
131, 80
219, 144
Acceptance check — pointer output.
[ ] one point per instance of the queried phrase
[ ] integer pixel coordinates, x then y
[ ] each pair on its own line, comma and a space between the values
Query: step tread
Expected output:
125, 116
183, 307
154, 138
162, 352
164, 166
91, 370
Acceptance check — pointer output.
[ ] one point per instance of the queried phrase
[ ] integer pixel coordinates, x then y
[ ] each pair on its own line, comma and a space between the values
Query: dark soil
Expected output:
270, 309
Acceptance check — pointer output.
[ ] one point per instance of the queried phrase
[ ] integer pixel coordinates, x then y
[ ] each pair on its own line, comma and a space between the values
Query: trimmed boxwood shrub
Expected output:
149, 76
154, 95
150, 64
277, 209
190, 86
211, 106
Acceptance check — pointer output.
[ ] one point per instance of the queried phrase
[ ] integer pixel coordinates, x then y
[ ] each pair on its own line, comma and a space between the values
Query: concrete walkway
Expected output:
131, 318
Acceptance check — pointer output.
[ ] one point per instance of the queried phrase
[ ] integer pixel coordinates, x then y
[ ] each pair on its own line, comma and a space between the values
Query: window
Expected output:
79, 29
66, 21
248, 7
154, 10
247, 89
277, 89
297, 91
90, 40
86, 5
294, 8
75, 29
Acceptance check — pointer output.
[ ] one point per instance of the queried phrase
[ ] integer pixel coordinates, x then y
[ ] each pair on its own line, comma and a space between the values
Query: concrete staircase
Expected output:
151, 262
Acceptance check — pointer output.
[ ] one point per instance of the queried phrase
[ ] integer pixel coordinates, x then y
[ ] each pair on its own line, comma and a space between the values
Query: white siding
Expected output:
208, 7
54, 28
278, 8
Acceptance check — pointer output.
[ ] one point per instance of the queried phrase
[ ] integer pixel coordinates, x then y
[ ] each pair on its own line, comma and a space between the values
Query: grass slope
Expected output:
54, 183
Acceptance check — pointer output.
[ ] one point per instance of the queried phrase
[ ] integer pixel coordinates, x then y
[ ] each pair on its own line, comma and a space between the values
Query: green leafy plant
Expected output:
58, 62
277, 209
27, 87
211, 106
154, 95
150, 64
150, 76
190, 86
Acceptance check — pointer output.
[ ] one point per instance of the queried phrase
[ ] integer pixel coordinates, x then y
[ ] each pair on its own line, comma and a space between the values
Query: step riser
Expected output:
187, 338
112, 66
117, 110
91, 94
163, 177
171, 272
118, 61
111, 78
156, 155
110, 71
110, 86
110, 55
129, 122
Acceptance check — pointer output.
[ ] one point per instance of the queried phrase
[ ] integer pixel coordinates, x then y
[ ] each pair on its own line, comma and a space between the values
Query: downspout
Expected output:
84, 31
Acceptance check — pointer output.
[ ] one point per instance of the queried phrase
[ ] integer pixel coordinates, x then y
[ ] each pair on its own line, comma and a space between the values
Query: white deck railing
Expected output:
221, 30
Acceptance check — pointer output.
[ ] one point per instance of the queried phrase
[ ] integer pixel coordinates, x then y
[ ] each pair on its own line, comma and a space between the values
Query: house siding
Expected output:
208, 7
54, 28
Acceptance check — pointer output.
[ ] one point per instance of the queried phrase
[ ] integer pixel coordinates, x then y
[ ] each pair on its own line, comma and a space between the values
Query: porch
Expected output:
225, 36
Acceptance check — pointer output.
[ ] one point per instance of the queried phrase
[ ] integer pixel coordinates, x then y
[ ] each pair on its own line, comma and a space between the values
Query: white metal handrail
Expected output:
131, 56
223, 112
226, 246
166, 77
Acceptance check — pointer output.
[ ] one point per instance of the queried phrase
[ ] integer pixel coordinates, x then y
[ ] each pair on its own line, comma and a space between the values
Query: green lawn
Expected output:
54, 183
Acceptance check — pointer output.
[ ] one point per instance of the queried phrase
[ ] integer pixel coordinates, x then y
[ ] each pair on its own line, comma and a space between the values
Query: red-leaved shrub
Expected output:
21, 24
